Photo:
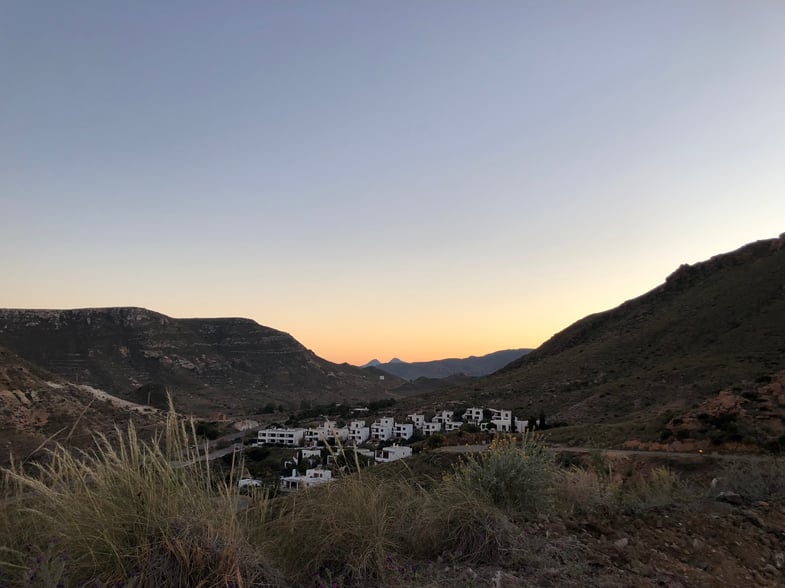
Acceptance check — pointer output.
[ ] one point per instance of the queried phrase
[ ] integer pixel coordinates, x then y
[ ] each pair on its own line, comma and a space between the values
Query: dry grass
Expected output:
759, 480
141, 514
349, 529
128, 511
598, 490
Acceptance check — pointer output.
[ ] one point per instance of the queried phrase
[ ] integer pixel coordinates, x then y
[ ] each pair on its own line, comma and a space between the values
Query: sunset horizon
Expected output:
413, 180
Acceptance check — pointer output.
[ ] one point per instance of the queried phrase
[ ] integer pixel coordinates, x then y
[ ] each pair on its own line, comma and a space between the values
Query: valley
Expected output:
656, 456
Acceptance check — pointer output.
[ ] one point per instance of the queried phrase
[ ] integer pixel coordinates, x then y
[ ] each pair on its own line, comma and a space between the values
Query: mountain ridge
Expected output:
710, 326
211, 364
472, 365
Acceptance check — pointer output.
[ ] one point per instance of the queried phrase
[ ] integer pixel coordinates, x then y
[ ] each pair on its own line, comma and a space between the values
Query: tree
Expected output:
434, 441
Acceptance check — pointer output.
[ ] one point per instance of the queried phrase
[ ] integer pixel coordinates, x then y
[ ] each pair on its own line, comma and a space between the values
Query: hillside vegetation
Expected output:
713, 326
151, 514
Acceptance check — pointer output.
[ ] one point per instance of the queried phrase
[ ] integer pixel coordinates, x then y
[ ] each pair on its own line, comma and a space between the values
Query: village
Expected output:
318, 447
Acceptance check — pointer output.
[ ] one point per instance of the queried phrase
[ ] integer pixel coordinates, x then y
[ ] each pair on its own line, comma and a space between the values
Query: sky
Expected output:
383, 178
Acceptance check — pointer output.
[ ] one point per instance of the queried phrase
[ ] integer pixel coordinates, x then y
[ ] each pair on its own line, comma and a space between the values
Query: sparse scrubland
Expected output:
152, 514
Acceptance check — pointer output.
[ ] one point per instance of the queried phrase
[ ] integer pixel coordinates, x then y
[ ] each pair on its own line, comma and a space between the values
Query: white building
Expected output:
382, 430
452, 426
429, 429
403, 430
417, 419
309, 453
444, 416
358, 432
312, 477
327, 433
393, 453
521, 426
290, 437
474, 416
501, 419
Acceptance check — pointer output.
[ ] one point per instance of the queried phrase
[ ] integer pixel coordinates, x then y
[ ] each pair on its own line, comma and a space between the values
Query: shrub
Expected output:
434, 441
472, 513
515, 478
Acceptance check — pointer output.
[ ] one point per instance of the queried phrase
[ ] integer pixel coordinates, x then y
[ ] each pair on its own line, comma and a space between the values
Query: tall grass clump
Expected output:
349, 530
597, 490
583, 491
143, 513
659, 487
476, 511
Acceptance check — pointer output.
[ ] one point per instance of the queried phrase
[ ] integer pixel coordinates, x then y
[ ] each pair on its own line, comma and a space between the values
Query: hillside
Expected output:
442, 368
712, 326
36, 407
232, 365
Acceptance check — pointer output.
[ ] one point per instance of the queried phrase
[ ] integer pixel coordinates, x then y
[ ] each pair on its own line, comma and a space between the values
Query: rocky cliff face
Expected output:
228, 364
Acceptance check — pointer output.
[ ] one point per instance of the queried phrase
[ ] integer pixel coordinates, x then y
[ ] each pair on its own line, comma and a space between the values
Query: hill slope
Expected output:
229, 364
710, 326
443, 368
36, 406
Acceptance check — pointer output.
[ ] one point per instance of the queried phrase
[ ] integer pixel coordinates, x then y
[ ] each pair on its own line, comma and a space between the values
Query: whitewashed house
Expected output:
443, 416
521, 426
309, 453
452, 426
417, 420
312, 477
382, 429
393, 453
501, 419
358, 432
290, 437
474, 416
327, 433
403, 430
429, 429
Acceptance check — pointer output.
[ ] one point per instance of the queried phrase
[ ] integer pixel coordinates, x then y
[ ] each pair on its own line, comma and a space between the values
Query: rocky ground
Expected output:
708, 545
709, 539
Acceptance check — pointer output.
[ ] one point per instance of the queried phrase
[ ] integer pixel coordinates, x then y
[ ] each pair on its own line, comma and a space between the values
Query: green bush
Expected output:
516, 478
434, 441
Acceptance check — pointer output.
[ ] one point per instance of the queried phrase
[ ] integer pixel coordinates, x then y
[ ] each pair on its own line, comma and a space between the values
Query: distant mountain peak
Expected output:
472, 366
373, 363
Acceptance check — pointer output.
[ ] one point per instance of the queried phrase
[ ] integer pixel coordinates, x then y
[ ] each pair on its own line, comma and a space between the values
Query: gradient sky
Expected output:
420, 179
